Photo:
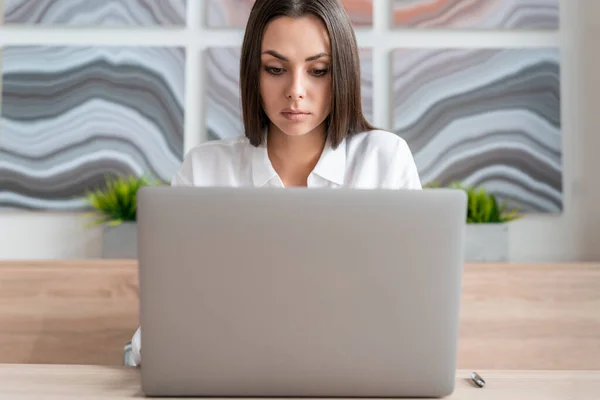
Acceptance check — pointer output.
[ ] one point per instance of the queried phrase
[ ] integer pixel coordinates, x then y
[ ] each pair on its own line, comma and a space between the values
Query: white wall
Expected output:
574, 235
570, 236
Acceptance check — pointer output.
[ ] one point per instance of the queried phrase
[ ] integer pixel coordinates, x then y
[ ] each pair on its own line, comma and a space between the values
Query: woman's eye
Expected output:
274, 71
279, 71
320, 72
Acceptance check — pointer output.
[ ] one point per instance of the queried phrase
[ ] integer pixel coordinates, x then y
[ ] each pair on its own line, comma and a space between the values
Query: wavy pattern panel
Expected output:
96, 12
223, 106
486, 117
477, 14
234, 13
71, 115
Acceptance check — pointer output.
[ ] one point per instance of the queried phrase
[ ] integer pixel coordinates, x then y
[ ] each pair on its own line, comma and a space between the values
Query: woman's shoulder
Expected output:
384, 159
220, 147
215, 162
382, 141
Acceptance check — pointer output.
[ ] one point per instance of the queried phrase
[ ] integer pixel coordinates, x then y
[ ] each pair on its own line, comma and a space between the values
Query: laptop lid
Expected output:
299, 292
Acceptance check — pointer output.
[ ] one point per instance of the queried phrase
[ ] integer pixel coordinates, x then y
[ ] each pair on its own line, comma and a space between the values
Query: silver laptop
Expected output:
299, 292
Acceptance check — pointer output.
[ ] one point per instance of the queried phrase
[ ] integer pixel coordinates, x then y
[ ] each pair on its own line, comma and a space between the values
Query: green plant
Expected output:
483, 207
431, 185
117, 201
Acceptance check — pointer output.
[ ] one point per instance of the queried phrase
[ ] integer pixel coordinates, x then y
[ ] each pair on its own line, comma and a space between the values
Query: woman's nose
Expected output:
296, 89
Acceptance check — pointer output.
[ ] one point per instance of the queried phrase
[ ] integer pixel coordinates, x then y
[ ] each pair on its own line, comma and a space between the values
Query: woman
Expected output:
304, 125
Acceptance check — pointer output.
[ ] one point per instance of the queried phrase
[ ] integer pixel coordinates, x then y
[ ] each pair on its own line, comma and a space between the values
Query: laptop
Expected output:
271, 292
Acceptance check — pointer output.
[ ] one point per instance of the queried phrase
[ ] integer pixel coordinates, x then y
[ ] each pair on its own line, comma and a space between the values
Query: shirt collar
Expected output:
331, 165
262, 169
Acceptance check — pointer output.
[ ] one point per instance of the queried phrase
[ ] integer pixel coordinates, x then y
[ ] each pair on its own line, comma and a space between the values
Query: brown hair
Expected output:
346, 115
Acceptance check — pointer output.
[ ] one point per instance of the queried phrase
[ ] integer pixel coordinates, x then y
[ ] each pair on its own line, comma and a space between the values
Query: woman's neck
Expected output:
294, 157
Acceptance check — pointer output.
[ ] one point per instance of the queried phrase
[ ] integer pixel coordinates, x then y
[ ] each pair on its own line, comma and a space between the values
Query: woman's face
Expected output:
295, 76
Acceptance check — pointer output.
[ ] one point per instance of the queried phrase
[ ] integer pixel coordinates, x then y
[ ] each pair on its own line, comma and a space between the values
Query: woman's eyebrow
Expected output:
282, 58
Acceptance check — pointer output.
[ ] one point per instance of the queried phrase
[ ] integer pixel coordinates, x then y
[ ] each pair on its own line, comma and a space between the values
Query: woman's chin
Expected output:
296, 128
296, 131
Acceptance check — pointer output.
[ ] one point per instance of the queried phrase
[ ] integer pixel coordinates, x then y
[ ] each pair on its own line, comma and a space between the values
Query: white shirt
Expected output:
367, 160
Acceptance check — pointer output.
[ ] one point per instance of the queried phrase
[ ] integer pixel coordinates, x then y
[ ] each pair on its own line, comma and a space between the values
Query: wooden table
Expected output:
32, 382
67, 312
513, 316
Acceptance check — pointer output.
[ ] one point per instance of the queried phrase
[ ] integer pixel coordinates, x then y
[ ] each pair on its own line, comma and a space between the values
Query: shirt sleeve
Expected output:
403, 173
133, 350
180, 180
184, 176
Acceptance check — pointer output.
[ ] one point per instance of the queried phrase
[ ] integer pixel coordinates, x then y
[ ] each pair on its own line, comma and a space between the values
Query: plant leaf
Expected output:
117, 201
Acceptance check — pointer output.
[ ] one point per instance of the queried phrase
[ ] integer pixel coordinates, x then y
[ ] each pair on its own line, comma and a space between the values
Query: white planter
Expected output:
120, 241
486, 243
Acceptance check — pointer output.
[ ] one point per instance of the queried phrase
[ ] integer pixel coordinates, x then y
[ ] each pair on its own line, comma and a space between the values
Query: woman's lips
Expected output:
295, 115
